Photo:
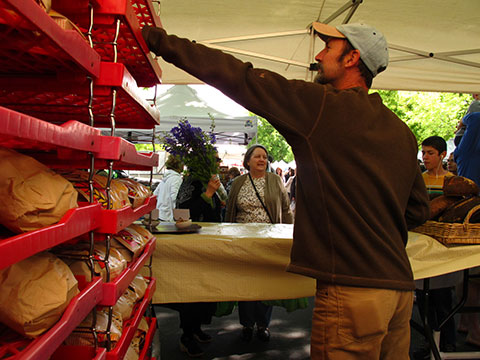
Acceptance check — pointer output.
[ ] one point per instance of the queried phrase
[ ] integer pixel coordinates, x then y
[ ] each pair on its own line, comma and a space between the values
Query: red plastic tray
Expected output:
148, 338
19, 131
131, 325
115, 220
84, 352
132, 49
74, 223
123, 153
32, 43
114, 289
45, 345
79, 353
62, 101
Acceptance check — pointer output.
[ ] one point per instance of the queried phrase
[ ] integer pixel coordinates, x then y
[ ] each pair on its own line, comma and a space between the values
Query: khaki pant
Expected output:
353, 323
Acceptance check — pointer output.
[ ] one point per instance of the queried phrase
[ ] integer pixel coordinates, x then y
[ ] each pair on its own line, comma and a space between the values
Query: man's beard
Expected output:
320, 77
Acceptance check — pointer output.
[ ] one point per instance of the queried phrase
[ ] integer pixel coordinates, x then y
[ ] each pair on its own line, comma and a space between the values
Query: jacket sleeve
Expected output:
418, 206
261, 91
287, 216
469, 144
231, 211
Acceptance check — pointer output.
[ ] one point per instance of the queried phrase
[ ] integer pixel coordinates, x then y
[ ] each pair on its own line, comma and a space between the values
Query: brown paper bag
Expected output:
139, 285
133, 238
34, 293
82, 338
132, 352
138, 340
125, 303
45, 4
117, 263
118, 191
33, 196
137, 192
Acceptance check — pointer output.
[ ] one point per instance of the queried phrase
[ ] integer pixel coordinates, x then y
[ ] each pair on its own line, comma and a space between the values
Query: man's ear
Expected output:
352, 58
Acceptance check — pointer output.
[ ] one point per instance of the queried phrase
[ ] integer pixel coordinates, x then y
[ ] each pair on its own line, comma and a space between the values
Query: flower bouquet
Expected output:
195, 148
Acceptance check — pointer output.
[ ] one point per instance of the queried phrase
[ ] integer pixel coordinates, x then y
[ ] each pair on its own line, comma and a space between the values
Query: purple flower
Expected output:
195, 147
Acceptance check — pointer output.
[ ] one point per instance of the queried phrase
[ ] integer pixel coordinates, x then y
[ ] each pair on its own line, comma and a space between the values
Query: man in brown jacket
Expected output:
359, 187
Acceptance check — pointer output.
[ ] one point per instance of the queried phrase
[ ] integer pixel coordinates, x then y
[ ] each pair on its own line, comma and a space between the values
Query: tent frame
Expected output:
350, 7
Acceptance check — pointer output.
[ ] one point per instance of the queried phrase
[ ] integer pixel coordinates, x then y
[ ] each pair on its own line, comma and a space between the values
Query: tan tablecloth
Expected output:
226, 261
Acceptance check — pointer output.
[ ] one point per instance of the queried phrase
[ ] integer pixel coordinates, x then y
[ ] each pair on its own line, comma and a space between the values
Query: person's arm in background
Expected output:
471, 138
287, 215
231, 211
200, 203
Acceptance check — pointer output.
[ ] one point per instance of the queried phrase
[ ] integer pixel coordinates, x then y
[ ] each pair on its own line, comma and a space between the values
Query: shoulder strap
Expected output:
259, 198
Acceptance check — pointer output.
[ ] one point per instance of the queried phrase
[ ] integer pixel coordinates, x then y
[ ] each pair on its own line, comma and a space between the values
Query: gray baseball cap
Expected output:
370, 42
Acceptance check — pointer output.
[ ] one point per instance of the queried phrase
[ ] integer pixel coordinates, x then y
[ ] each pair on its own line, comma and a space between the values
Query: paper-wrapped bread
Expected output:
34, 293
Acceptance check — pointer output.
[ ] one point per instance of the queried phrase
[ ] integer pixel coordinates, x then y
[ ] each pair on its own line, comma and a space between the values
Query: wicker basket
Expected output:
453, 233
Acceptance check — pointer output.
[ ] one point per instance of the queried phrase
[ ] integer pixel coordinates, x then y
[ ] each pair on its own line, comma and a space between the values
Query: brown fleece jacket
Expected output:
359, 187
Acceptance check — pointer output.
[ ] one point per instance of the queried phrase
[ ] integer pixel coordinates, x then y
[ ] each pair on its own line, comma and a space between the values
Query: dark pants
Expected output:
254, 312
193, 315
439, 306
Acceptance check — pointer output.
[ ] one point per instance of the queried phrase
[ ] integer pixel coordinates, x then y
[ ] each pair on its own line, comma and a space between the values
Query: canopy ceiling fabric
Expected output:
182, 102
434, 44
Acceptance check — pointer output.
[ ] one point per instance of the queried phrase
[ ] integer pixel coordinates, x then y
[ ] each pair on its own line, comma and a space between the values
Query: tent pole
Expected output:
256, 37
257, 55
443, 56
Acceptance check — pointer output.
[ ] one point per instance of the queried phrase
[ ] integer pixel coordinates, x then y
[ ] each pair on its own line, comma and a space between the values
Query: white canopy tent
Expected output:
182, 102
434, 44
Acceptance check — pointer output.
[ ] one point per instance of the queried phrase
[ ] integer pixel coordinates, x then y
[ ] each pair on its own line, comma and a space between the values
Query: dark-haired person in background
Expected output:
434, 150
205, 205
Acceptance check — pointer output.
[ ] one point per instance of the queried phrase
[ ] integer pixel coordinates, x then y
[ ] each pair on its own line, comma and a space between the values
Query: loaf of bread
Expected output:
459, 186
457, 212
439, 204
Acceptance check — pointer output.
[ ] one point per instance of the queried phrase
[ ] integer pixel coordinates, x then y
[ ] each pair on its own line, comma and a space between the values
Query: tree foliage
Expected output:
147, 147
428, 113
275, 143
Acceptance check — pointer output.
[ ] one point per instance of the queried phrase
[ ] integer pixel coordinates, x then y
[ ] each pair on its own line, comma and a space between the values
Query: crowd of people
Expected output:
353, 206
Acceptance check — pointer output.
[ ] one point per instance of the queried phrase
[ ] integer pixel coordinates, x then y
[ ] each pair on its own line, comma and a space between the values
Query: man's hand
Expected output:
152, 37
